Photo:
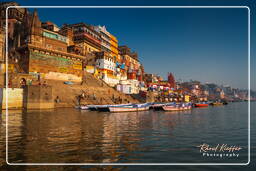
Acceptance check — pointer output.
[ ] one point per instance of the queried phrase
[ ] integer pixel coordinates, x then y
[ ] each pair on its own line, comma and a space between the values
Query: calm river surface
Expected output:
74, 136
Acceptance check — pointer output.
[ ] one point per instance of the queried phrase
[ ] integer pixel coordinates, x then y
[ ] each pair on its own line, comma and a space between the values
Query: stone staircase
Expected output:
95, 90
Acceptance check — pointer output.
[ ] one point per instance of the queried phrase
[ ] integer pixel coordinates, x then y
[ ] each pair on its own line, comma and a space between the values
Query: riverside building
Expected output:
39, 50
131, 71
44, 50
108, 59
85, 37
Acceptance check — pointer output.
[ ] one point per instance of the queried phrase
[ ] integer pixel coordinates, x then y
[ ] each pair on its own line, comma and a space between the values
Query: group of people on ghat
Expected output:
84, 96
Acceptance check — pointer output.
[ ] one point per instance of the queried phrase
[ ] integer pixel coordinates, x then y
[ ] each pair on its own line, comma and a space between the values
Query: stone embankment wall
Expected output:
44, 96
30, 97
15, 98
38, 97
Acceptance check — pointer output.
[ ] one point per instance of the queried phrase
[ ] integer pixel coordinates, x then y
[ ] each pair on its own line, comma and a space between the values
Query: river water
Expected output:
73, 136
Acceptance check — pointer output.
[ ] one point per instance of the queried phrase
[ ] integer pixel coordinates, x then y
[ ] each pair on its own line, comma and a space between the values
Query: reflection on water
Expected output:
73, 136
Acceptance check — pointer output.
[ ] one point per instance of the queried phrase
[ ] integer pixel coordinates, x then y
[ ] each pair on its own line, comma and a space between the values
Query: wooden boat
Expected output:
156, 106
201, 104
93, 107
68, 82
177, 107
159, 106
105, 108
84, 107
102, 108
225, 103
130, 108
217, 103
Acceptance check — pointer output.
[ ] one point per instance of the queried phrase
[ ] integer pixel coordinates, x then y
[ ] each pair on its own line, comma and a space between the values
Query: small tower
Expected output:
36, 30
171, 80
25, 27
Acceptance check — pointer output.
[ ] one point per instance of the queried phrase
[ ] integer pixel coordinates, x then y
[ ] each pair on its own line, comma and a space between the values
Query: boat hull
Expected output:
157, 106
127, 109
217, 104
177, 107
102, 109
105, 108
201, 105
130, 108
84, 107
173, 108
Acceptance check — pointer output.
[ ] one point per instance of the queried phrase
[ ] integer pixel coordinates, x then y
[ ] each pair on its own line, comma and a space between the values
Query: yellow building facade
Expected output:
114, 47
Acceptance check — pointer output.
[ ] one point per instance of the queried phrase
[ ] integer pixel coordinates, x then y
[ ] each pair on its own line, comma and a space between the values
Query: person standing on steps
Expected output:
83, 95
94, 96
83, 80
57, 100
113, 97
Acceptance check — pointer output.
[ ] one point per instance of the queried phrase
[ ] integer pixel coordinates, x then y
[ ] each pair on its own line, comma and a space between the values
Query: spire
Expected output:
36, 23
26, 21
171, 80
26, 29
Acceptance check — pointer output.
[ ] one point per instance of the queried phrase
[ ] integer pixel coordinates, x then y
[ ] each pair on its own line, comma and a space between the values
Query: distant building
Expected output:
171, 80
50, 26
150, 78
222, 94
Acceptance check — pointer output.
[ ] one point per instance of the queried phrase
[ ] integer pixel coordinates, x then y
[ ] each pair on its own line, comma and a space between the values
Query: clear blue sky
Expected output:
209, 45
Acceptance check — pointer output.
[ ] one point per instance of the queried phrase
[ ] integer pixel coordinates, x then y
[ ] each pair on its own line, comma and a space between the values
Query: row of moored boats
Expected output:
172, 106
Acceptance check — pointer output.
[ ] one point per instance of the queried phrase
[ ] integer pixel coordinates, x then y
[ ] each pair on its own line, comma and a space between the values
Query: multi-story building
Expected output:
107, 68
131, 69
50, 26
67, 32
61, 53
150, 78
85, 37
109, 42
114, 47
15, 15
108, 59
105, 38
43, 51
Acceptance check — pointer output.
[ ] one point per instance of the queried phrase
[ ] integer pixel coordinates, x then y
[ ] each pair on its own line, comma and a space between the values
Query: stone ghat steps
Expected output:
95, 91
